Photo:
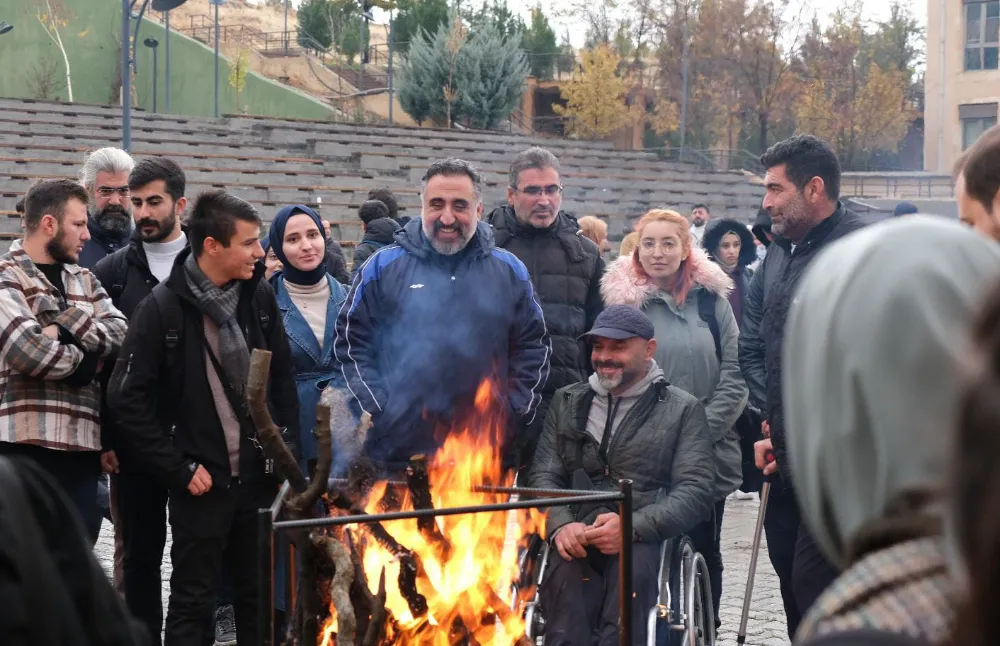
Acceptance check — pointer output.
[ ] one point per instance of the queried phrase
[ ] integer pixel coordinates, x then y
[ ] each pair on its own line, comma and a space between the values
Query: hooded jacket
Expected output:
761, 227
870, 395
336, 263
565, 268
741, 273
148, 387
763, 327
686, 351
419, 331
661, 444
378, 234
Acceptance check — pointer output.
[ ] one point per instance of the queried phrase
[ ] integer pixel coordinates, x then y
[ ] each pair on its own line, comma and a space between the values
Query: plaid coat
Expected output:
903, 589
36, 406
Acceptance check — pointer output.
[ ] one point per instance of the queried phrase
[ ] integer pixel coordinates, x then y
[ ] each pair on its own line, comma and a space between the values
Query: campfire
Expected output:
427, 582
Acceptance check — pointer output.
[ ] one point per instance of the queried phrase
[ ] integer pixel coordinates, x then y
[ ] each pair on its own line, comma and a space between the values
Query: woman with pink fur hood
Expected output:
676, 284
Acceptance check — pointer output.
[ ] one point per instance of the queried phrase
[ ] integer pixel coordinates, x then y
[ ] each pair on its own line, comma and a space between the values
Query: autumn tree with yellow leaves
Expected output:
598, 99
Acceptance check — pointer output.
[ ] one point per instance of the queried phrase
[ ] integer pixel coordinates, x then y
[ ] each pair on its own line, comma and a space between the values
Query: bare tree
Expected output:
43, 78
52, 15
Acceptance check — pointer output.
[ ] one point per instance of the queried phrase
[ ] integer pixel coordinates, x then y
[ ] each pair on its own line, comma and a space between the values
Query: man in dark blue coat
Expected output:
429, 317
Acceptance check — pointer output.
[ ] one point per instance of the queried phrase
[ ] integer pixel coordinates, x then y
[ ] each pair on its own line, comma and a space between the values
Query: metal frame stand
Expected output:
765, 491
268, 526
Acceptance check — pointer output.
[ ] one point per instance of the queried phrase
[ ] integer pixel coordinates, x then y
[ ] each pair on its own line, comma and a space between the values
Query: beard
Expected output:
56, 247
699, 222
113, 218
627, 374
161, 229
432, 230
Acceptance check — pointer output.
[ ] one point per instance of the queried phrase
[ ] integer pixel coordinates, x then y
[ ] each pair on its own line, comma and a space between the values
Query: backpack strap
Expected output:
119, 274
172, 319
706, 310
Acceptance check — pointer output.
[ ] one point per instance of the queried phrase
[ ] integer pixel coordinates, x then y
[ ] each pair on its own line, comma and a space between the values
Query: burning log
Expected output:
376, 625
340, 585
419, 483
305, 501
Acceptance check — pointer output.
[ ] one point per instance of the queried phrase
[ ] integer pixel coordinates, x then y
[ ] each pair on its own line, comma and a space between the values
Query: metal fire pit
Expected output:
269, 526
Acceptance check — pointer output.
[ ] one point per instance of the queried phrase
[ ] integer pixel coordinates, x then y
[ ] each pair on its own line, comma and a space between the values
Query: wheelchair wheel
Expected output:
683, 614
525, 590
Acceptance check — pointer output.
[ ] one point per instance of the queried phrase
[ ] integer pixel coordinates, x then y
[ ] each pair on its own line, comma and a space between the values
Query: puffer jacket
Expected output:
661, 445
565, 268
686, 351
378, 233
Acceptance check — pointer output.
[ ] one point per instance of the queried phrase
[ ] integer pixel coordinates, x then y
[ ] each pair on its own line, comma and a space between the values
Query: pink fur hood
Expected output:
620, 285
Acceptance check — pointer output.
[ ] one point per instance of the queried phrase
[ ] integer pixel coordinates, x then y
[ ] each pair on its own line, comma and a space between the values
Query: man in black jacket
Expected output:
129, 275
802, 199
184, 366
565, 268
380, 230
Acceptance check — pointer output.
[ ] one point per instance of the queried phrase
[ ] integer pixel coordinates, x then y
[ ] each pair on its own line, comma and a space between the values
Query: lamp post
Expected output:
392, 36
128, 60
152, 43
284, 35
166, 56
216, 3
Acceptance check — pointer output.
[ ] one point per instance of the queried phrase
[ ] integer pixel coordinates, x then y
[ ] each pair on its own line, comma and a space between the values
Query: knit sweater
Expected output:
312, 302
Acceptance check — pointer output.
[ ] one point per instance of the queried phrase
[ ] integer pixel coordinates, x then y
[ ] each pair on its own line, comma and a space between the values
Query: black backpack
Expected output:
749, 422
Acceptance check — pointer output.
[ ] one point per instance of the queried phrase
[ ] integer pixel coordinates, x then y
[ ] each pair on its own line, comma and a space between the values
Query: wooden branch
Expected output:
268, 434
419, 483
309, 594
340, 585
305, 501
377, 623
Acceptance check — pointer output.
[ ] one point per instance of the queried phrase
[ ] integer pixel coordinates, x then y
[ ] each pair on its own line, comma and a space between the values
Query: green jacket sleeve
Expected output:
548, 470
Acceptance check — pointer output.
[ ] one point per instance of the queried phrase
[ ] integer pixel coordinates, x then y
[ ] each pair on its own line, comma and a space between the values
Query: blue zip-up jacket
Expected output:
419, 331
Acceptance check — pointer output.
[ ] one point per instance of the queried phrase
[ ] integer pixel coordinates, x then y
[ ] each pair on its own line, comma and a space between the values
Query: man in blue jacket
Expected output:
431, 316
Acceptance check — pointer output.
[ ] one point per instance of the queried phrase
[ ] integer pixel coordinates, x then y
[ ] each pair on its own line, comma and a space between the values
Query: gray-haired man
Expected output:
105, 176
429, 317
565, 268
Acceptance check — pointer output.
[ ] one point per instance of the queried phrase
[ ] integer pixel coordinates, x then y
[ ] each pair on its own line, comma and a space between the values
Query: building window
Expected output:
973, 128
982, 34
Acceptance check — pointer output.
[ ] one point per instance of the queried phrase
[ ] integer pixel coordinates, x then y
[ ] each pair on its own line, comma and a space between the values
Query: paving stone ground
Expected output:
766, 626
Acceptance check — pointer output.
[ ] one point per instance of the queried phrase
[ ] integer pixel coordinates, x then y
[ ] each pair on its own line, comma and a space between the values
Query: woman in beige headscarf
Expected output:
871, 383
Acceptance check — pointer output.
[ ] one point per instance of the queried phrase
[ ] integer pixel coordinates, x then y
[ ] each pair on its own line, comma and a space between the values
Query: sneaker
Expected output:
225, 626
742, 495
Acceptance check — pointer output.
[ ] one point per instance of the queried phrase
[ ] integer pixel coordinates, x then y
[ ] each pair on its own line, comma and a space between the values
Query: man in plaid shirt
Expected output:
57, 324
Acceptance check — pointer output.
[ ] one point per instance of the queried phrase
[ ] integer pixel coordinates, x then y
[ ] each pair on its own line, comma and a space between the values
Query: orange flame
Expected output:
483, 547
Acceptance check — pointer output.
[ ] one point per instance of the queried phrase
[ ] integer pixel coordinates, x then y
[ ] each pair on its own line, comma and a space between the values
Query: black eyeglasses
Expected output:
108, 191
536, 191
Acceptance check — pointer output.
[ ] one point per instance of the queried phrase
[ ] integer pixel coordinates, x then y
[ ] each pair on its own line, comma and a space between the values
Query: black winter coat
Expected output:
151, 395
766, 312
378, 234
336, 263
566, 269
662, 445
126, 277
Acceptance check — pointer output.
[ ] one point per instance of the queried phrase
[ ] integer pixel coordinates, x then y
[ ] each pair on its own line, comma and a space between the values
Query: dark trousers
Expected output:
142, 508
580, 597
707, 539
812, 573
781, 526
76, 473
216, 527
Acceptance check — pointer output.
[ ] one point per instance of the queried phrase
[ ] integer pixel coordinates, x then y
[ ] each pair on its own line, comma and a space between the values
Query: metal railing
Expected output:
268, 527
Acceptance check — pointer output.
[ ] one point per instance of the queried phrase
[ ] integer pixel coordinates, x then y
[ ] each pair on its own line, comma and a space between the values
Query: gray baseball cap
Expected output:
621, 322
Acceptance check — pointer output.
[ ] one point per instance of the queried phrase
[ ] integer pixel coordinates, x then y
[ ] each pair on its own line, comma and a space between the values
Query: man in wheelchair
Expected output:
625, 422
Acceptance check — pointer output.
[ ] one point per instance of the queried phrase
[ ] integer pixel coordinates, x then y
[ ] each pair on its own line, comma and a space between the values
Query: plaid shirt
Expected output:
36, 406
903, 589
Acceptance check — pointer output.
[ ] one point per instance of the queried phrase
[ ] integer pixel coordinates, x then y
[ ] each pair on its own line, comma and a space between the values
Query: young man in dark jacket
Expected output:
379, 232
129, 275
803, 189
430, 317
184, 366
625, 422
565, 268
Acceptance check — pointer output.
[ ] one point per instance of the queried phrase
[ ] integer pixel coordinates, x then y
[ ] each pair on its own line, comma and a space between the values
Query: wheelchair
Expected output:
683, 613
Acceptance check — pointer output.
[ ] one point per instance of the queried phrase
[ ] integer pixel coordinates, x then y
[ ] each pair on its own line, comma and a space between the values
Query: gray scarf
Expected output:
219, 304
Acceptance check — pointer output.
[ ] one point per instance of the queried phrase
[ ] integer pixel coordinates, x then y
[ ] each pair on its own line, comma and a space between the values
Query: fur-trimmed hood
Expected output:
621, 285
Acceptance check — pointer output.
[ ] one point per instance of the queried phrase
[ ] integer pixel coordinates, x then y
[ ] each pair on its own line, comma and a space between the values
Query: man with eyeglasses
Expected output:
109, 208
565, 268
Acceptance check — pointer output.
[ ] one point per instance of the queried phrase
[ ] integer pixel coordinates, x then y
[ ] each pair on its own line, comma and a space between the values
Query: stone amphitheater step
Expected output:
271, 162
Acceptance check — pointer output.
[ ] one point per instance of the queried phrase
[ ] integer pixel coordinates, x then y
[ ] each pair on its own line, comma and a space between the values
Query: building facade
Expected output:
962, 83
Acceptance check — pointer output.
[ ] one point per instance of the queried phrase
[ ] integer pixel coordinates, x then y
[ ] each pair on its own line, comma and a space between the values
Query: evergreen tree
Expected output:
422, 75
539, 41
314, 27
491, 78
497, 15
415, 16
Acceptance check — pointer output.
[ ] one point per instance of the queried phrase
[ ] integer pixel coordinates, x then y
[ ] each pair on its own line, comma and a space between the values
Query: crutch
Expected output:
765, 491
